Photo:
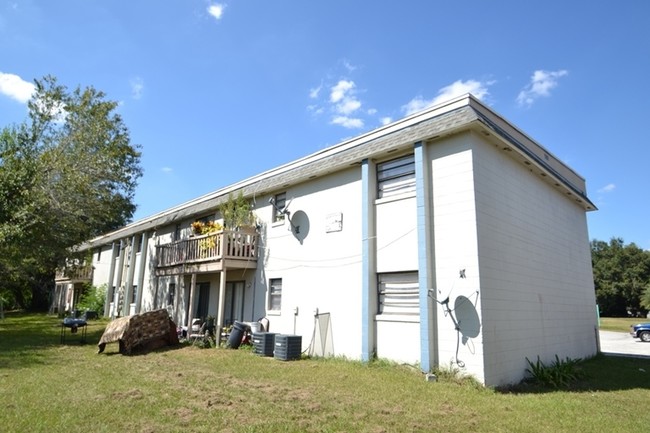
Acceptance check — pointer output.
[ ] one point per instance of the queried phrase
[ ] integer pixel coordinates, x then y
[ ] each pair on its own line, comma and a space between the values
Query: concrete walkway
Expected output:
622, 344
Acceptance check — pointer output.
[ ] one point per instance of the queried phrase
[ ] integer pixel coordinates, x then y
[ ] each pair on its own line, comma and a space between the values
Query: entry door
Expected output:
204, 299
234, 302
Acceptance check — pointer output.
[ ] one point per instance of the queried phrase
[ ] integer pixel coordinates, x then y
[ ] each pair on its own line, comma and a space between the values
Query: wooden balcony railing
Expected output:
238, 245
75, 273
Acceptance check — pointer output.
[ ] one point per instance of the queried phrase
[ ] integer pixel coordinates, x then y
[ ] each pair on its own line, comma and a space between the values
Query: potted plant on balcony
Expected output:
206, 228
239, 218
237, 213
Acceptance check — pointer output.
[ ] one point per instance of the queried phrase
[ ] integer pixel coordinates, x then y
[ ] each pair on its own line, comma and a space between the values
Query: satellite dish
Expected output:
299, 225
469, 323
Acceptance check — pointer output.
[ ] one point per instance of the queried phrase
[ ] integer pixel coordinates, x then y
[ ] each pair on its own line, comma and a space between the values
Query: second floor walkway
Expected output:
227, 249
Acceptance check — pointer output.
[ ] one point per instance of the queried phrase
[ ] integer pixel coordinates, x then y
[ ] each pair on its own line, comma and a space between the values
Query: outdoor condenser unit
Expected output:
263, 343
287, 347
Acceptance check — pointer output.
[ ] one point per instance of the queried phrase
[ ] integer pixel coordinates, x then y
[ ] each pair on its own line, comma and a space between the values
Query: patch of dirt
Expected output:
133, 394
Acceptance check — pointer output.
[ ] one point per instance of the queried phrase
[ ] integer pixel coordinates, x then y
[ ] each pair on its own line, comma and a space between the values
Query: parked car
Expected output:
641, 330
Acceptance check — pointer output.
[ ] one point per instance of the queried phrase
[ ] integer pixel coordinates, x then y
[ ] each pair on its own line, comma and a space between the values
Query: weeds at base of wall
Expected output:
454, 374
559, 374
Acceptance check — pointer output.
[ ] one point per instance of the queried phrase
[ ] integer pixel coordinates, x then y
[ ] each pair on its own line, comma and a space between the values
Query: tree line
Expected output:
621, 278
67, 174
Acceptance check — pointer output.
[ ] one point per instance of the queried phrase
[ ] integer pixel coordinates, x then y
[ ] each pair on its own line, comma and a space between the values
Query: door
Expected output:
234, 302
204, 299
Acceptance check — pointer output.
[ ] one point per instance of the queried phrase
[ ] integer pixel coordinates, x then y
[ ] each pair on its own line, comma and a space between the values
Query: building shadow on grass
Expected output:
603, 372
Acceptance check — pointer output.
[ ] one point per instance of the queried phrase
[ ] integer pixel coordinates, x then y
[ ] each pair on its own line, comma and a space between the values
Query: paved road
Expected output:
622, 343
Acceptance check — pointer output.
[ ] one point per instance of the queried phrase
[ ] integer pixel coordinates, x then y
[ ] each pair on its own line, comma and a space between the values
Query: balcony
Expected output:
208, 253
74, 274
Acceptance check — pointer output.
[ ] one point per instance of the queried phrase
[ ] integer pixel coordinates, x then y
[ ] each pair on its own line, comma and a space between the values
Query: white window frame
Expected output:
275, 295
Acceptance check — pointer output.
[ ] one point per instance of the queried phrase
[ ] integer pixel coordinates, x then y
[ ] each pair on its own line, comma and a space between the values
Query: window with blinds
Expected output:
399, 293
396, 176
275, 294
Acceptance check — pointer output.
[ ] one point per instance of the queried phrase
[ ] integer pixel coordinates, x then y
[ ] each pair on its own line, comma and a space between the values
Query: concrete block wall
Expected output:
455, 250
537, 296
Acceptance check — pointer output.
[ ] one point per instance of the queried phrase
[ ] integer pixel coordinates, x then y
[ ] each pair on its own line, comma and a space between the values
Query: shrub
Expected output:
93, 299
559, 374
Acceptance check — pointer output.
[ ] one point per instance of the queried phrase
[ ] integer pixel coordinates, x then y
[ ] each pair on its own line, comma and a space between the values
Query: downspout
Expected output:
426, 258
368, 260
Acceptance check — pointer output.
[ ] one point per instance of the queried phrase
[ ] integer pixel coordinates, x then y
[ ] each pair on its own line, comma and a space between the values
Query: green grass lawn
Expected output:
620, 324
50, 387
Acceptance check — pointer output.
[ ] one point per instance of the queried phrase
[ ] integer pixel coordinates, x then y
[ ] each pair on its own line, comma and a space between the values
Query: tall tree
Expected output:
67, 174
621, 274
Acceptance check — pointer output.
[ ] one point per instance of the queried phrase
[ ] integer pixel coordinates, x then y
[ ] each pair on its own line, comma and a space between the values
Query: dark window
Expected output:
275, 294
279, 202
171, 294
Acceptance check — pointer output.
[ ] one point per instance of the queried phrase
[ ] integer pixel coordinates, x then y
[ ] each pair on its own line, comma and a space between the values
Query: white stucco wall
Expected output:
397, 236
455, 249
101, 266
536, 294
321, 272
397, 337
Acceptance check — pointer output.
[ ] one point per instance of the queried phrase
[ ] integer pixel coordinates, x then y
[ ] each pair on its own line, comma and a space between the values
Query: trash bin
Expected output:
236, 335
255, 327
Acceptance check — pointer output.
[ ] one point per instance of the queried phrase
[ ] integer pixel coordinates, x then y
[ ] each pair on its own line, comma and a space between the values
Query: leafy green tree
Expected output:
236, 212
67, 174
621, 274
92, 299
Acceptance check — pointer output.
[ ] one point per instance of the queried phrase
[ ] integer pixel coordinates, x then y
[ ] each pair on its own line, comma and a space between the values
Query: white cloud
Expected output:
216, 10
457, 88
348, 122
313, 93
349, 66
339, 100
167, 169
343, 98
348, 106
540, 85
16, 88
385, 120
607, 188
340, 90
316, 109
137, 87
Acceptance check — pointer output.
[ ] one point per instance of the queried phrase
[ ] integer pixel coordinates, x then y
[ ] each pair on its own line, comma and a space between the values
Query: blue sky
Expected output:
216, 92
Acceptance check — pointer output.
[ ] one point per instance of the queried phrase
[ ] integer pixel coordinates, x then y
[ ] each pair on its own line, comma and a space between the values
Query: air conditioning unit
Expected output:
287, 347
263, 343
